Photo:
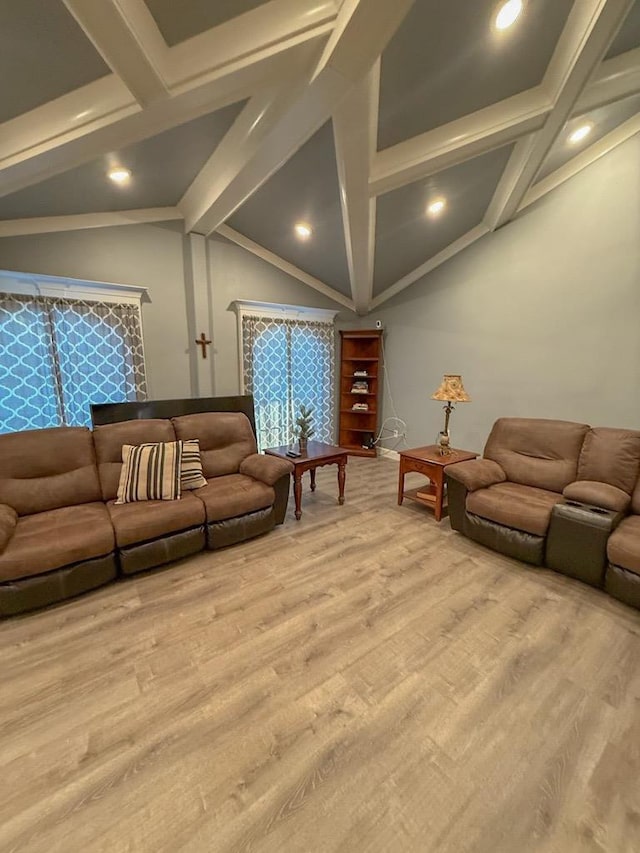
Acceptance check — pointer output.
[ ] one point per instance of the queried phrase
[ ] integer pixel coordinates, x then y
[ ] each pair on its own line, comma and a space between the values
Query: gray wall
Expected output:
237, 274
156, 257
144, 255
541, 318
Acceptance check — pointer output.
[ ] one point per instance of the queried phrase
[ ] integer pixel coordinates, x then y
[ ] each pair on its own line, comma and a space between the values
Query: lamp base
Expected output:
443, 443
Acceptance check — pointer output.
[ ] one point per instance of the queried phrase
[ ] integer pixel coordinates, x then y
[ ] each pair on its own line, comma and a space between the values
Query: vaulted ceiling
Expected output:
353, 117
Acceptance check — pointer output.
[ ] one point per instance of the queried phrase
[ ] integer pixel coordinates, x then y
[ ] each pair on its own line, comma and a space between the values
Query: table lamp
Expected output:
451, 391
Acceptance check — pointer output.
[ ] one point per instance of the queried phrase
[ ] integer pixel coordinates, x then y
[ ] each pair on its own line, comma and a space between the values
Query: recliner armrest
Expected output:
476, 474
8, 521
267, 469
597, 494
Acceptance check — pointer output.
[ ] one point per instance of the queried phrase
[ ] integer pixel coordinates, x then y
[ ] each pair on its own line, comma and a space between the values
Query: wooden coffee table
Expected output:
317, 455
427, 460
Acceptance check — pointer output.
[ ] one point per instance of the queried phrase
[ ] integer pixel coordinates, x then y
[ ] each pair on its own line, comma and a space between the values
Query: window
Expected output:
59, 355
288, 357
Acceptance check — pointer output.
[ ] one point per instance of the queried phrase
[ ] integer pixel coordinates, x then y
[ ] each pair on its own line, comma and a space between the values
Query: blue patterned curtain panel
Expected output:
59, 356
288, 363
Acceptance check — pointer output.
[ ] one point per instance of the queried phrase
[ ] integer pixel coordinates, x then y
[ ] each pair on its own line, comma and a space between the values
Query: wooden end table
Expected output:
428, 461
317, 455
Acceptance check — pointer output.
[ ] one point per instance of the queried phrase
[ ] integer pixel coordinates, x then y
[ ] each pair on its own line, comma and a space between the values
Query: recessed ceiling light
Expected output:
119, 175
436, 207
580, 133
508, 14
303, 231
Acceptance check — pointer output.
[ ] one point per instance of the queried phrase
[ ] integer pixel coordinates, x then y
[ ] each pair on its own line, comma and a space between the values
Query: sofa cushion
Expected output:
145, 520
514, 505
635, 499
233, 495
150, 472
8, 521
611, 456
597, 494
191, 467
109, 438
43, 469
56, 538
226, 438
623, 547
537, 452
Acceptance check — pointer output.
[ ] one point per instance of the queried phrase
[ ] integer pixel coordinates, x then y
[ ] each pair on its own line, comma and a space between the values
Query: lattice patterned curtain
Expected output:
57, 356
287, 363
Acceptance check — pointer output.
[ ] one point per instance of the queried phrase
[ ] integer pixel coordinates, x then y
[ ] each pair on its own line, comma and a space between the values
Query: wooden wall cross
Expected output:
204, 343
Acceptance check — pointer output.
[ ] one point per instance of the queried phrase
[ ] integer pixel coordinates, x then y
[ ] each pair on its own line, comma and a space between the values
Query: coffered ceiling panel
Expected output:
447, 60
64, 59
440, 60
601, 121
304, 190
406, 236
178, 20
629, 34
162, 168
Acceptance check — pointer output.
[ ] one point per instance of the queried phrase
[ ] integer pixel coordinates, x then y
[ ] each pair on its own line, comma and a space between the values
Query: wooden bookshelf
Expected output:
360, 383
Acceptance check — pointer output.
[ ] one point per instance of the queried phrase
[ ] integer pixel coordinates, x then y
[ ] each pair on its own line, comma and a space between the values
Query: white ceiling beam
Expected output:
437, 260
270, 29
362, 29
80, 221
590, 29
459, 140
355, 129
292, 270
65, 119
126, 51
31, 152
245, 137
363, 36
103, 115
603, 146
615, 79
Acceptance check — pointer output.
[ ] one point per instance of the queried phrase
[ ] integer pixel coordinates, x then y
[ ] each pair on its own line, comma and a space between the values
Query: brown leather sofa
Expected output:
61, 532
553, 493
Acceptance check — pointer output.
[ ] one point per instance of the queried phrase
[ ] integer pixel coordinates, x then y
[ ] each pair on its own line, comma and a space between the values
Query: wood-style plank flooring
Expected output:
361, 680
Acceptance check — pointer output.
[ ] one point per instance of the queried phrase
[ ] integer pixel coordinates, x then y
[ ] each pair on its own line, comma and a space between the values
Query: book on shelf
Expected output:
360, 373
360, 388
360, 407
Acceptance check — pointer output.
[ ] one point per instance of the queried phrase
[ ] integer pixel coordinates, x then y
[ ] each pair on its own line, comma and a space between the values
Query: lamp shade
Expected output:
451, 390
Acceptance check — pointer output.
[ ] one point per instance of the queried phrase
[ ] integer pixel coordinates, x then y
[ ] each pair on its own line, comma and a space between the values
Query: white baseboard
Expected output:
389, 454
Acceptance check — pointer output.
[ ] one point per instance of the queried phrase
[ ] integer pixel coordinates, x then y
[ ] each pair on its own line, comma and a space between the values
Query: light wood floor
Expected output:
361, 680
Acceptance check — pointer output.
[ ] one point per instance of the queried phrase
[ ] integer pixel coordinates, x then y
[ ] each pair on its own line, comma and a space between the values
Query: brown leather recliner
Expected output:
505, 500
520, 498
247, 492
56, 537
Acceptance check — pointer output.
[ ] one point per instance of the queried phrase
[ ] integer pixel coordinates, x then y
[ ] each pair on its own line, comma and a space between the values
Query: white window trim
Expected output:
34, 284
274, 310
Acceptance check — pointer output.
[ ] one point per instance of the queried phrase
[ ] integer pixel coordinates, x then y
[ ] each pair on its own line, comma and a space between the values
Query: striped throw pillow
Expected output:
150, 472
191, 476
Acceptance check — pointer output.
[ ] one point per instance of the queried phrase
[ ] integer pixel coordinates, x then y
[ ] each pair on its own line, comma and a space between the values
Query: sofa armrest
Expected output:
8, 521
476, 474
267, 469
597, 494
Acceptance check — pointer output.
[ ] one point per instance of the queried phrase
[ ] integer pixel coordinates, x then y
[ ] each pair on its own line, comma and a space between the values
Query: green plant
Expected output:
304, 423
